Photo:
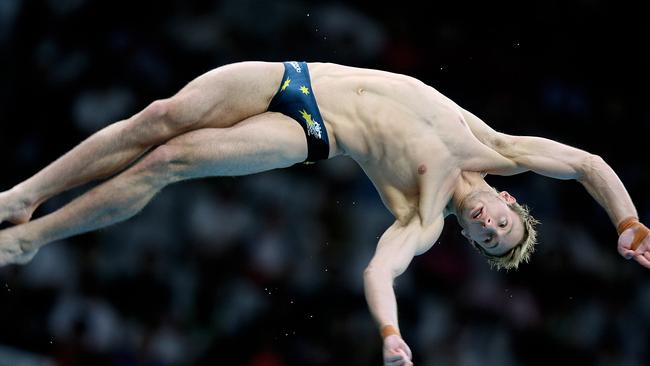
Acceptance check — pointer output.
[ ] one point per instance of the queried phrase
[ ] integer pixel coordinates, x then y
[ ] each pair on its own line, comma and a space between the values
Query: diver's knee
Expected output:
169, 117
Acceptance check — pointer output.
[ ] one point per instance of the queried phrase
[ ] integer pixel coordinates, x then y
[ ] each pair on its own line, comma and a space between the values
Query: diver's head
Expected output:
499, 228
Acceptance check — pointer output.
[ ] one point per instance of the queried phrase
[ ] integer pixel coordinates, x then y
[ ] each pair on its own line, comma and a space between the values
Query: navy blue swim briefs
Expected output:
295, 99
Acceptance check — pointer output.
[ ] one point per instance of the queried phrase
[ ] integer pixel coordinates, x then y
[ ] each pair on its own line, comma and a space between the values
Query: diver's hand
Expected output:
634, 242
396, 352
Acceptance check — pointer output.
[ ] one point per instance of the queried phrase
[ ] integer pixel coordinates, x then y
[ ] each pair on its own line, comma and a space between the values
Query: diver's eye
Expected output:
478, 213
503, 223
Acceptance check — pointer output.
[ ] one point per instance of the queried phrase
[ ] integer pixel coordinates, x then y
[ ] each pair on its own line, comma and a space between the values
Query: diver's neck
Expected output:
468, 184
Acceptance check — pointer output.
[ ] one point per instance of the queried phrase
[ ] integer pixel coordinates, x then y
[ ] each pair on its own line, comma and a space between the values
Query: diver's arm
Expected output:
557, 160
560, 161
395, 250
553, 159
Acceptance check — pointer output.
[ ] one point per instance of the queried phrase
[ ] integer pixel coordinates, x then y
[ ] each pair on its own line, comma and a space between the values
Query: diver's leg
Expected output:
263, 142
219, 98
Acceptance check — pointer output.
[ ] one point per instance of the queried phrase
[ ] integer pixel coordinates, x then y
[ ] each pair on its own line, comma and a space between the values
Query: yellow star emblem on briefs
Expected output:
313, 128
304, 90
307, 117
286, 84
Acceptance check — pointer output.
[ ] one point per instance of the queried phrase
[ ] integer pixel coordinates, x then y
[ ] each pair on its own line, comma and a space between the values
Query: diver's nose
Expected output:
487, 222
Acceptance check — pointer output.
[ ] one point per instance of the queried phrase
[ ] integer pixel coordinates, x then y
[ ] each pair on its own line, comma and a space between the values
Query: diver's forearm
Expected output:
378, 286
606, 188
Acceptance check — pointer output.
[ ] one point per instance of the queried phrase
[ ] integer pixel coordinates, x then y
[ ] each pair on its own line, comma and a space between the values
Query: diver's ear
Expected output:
507, 197
469, 238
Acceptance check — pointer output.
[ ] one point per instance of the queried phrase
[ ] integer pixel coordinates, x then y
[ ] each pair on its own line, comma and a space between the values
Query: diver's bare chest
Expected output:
408, 175
426, 184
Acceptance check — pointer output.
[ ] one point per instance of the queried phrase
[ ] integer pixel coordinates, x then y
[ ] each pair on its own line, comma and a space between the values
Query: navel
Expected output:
422, 169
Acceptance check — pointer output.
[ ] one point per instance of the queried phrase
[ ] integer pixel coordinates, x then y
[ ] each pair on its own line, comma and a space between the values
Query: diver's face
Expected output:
487, 220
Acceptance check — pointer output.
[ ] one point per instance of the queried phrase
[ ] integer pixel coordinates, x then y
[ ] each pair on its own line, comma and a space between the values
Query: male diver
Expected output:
426, 156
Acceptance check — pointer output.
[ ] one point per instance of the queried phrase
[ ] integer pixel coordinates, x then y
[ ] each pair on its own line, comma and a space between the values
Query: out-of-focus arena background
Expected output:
266, 270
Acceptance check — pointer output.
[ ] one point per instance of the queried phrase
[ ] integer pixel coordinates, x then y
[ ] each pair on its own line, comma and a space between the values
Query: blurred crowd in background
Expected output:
266, 270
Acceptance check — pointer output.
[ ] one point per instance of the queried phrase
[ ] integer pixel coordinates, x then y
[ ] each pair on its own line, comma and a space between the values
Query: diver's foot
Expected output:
14, 209
12, 251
